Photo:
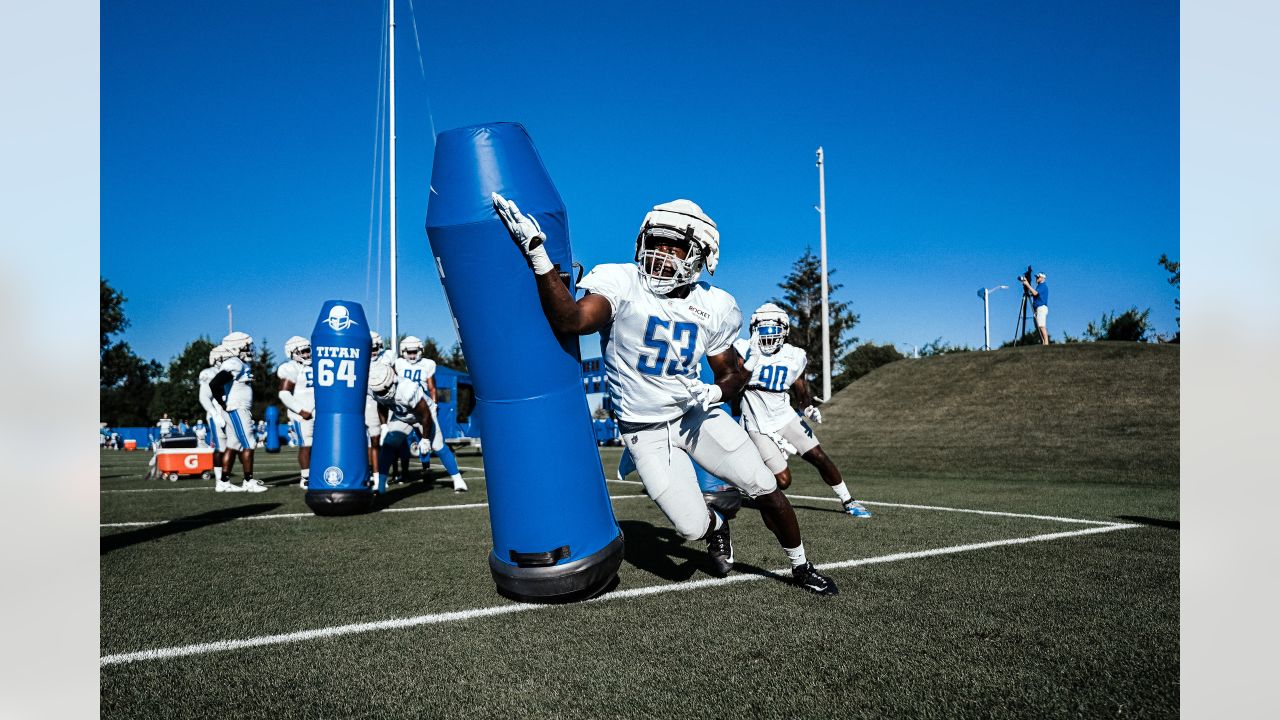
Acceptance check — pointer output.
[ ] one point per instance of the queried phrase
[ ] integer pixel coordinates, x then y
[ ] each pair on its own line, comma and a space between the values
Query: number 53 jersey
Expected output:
653, 340
765, 405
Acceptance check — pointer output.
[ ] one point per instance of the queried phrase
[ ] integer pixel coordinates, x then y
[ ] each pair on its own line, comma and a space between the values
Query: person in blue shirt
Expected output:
1041, 304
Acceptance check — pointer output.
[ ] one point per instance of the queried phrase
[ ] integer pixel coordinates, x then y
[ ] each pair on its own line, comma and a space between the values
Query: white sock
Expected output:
796, 555
217, 474
306, 473
455, 477
841, 492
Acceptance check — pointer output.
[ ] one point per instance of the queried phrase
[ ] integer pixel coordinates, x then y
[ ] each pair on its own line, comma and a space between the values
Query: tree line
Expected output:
135, 392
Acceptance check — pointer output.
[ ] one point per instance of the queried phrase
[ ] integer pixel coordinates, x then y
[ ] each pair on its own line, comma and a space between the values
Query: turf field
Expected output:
977, 590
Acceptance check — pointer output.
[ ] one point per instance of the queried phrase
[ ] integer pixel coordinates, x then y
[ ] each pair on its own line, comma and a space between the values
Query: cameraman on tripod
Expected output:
1041, 303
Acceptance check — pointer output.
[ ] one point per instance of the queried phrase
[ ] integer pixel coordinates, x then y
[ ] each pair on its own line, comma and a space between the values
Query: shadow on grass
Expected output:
662, 552
181, 525
1152, 522
400, 493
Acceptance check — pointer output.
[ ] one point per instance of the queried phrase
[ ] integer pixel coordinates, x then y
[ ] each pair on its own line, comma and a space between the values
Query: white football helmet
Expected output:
411, 348
377, 343
298, 349
382, 380
218, 354
680, 221
770, 324
239, 344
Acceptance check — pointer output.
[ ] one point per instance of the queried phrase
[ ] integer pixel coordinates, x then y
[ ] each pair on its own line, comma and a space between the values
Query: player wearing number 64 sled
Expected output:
656, 323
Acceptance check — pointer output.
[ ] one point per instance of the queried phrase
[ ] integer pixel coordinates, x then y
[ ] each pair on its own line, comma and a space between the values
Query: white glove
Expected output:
706, 395
813, 414
526, 232
221, 419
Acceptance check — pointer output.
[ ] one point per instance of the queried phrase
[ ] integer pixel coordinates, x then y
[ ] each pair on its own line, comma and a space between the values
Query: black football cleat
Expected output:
720, 548
808, 577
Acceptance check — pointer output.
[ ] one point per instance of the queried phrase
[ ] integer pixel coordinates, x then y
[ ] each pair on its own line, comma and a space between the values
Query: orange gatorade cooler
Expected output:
130, 444
180, 462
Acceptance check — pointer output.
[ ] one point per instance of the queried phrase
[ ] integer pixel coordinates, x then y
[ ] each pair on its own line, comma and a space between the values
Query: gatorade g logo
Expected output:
333, 476
339, 318
191, 461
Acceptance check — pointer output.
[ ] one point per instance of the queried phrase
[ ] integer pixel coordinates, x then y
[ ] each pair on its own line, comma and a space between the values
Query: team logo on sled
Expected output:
339, 318
333, 476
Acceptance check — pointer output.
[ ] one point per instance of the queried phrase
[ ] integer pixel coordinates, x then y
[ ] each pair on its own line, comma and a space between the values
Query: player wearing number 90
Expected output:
773, 426
656, 323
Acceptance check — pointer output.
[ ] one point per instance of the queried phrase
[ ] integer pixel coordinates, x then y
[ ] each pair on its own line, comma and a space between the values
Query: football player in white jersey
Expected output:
402, 410
412, 366
775, 367
656, 323
378, 354
233, 391
297, 392
217, 419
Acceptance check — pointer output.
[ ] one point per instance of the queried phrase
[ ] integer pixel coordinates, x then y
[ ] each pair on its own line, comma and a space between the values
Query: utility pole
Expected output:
985, 293
394, 341
230, 325
826, 316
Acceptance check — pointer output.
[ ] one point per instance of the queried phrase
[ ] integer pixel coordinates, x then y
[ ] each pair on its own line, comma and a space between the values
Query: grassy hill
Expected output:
1102, 412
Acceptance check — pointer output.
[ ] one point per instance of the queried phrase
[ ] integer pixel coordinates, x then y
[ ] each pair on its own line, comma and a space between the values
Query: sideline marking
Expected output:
439, 618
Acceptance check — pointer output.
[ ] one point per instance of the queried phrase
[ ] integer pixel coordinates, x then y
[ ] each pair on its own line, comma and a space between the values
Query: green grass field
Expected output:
1080, 620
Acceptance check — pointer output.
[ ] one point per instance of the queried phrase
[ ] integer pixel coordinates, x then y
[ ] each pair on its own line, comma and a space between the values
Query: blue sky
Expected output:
963, 141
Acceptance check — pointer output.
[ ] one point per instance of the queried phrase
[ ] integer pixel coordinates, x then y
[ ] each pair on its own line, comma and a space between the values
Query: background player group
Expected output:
656, 323
400, 410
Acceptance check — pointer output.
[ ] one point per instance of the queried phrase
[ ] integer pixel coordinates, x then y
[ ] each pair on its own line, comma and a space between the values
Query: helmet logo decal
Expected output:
339, 318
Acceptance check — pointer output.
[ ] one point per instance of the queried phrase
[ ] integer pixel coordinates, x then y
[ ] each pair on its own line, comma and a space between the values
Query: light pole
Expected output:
984, 293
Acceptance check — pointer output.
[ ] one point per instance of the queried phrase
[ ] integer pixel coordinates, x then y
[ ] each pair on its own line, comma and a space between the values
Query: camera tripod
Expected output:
1027, 311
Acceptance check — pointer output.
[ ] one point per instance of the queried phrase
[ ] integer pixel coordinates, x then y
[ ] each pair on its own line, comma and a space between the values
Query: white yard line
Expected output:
285, 516
440, 618
185, 489
997, 513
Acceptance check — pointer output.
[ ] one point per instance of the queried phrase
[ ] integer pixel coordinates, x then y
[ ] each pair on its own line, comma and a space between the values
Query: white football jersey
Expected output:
765, 404
401, 404
386, 357
303, 379
239, 391
205, 394
640, 364
417, 372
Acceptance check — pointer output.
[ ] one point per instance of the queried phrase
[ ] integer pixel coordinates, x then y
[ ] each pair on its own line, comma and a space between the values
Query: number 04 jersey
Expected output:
765, 405
651, 340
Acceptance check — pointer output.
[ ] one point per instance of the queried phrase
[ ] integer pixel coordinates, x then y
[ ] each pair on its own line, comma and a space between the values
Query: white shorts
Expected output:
661, 452
371, 421
1042, 314
797, 432
240, 430
217, 436
303, 429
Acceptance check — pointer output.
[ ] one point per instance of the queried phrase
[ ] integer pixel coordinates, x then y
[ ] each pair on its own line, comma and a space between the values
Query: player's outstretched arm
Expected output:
567, 317
731, 375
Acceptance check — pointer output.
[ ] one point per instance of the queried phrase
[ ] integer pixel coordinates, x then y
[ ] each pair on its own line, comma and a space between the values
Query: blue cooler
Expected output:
340, 350
554, 534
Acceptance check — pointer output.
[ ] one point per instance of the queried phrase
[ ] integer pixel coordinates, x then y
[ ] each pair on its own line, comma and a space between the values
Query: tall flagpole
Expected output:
826, 322
394, 341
